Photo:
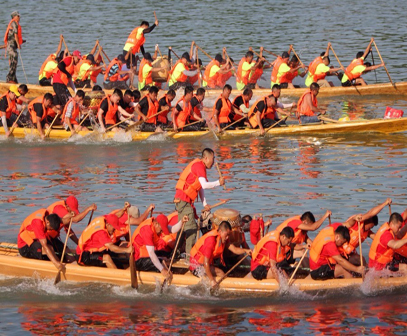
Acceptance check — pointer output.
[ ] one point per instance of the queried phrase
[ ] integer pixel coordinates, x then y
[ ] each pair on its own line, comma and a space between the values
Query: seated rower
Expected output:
263, 113
71, 115
256, 74
280, 67
319, 69
367, 222
40, 108
355, 70
257, 229
107, 111
270, 255
308, 110
183, 113
325, 259
96, 247
166, 243
209, 247
33, 241
197, 105
8, 108
179, 74
387, 240
241, 102
113, 75
213, 71
246, 66
223, 110
238, 239
49, 67
400, 255
293, 69
147, 110
145, 79
276, 92
164, 107
86, 67
126, 108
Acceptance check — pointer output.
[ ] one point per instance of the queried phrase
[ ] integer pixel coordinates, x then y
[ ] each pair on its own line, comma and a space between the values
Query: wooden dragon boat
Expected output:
12, 264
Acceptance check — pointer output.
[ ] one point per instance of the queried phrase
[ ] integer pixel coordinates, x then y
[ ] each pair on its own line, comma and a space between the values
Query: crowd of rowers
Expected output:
332, 254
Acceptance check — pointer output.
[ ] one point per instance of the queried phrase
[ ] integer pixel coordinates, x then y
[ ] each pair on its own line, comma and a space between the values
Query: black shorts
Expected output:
178, 85
45, 82
147, 127
90, 259
34, 251
57, 245
269, 122
146, 265
83, 84
260, 272
62, 94
323, 273
223, 125
121, 85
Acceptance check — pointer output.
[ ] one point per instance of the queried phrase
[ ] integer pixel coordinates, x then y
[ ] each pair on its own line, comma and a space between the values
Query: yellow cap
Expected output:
14, 89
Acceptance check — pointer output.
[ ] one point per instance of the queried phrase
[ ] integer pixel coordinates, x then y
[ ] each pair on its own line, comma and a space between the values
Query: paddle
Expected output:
80, 124
171, 134
292, 48
378, 52
22, 65
271, 53
329, 219
258, 55
172, 50
90, 218
217, 204
15, 124
340, 64
235, 122
132, 264
204, 52
66, 47
389, 209
220, 174
375, 73
58, 277
50, 127
227, 273
328, 119
142, 121
275, 124
298, 266
360, 249
120, 122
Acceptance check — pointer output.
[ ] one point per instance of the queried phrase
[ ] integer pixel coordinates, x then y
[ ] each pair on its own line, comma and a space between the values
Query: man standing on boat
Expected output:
13, 40
193, 181
308, 110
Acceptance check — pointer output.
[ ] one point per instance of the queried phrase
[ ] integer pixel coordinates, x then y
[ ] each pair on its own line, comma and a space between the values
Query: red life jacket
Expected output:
352, 65
111, 114
70, 69
94, 74
75, 112
149, 79
258, 72
19, 31
162, 117
223, 78
276, 67
211, 81
288, 77
186, 113
137, 43
268, 113
305, 109
313, 68
197, 255
191, 190
348, 248
140, 249
152, 109
225, 111
244, 79
11, 108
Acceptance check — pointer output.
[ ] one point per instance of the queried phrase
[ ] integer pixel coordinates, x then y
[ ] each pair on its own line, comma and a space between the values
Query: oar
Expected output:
204, 51
340, 64
360, 248
329, 219
50, 127
142, 121
227, 273
375, 73
22, 65
15, 124
258, 55
107, 57
58, 277
235, 122
328, 119
217, 204
292, 48
275, 124
90, 218
80, 124
378, 52
271, 53
298, 266
120, 122
220, 174
172, 50
170, 134
389, 209
132, 263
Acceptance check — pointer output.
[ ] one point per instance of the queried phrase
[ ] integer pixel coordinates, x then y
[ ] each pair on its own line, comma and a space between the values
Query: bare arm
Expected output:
347, 265
327, 49
117, 249
317, 224
238, 250
396, 244
372, 212
208, 272
51, 254
61, 37
100, 118
143, 217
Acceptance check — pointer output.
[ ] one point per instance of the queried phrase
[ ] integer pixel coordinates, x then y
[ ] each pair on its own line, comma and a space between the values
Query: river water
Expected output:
278, 176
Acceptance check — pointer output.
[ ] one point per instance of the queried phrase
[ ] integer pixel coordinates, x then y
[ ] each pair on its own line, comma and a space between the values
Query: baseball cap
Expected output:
163, 221
113, 220
133, 211
72, 202
77, 53
186, 56
14, 89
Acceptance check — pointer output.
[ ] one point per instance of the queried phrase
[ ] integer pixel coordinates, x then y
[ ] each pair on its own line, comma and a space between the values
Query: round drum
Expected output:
93, 99
229, 215
162, 75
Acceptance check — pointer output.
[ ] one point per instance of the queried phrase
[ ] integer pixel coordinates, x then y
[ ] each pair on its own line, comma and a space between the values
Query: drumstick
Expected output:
220, 174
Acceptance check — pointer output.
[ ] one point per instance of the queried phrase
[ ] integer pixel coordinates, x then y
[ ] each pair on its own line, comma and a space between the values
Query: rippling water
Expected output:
277, 176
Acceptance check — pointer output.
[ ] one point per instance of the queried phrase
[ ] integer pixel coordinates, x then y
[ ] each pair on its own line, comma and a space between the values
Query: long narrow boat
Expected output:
357, 126
11, 264
399, 88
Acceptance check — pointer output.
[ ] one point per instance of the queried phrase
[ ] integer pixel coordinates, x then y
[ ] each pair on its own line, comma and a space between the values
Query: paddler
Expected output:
280, 67
145, 79
325, 259
71, 115
270, 255
179, 73
292, 70
183, 113
241, 102
96, 247
86, 67
107, 111
256, 74
319, 69
33, 240
115, 76
224, 111
49, 67
197, 104
13, 40
40, 108
147, 109
355, 70
8, 108
246, 66
193, 181
165, 107
308, 110
213, 71
263, 113
210, 247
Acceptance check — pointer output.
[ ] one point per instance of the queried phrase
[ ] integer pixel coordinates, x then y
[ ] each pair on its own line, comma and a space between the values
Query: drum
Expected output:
229, 215
93, 99
162, 75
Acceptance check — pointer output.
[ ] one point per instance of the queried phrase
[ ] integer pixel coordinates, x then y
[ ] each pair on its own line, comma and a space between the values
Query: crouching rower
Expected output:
308, 110
72, 112
8, 108
224, 110
96, 247
263, 113
209, 247
183, 113
40, 109
33, 240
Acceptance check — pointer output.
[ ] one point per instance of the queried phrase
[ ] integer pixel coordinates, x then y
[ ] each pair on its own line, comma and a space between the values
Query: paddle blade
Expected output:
133, 273
57, 278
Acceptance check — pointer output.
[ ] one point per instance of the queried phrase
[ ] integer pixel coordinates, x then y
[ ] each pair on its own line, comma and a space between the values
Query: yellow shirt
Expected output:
321, 68
84, 67
356, 69
50, 66
245, 68
212, 73
146, 70
281, 71
179, 69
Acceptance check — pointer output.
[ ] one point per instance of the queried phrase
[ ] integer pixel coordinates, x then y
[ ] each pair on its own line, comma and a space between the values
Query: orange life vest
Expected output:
211, 81
387, 256
50, 209
19, 31
192, 189
197, 255
223, 78
268, 113
98, 224
304, 109
149, 79
115, 77
288, 77
111, 114
196, 109
276, 67
171, 216
75, 113
143, 253
225, 111
11, 108
348, 248
87, 73
162, 117
313, 68
182, 78
244, 79
260, 254
325, 236
124, 228
152, 109
137, 43
94, 74
70, 69
352, 65
48, 74
246, 103
300, 236
186, 113
25, 233
258, 72
46, 111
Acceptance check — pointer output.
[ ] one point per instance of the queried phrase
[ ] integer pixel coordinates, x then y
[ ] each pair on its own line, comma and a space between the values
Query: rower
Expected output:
353, 73
126, 109
241, 102
179, 73
308, 110
209, 247
223, 109
263, 113
270, 255
319, 69
387, 239
257, 229
164, 106
100, 68
49, 67
213, 71
146, 109
325, 259
183, 113
96, 245
293, 69
400, 255
33, 241
114, 74
256, 74
8, 108
86, 67
40, 108
276, 92
166, 243
280, 67
367, 222
197, 105
71, 114
145, 79
107, 111
193, 181
244, 69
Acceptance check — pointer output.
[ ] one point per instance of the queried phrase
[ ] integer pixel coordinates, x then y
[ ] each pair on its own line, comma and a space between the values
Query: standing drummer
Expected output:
193, 181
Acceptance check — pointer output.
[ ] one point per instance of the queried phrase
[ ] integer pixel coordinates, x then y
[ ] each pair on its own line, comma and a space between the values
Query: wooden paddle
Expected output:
275, 124
170, 134
227, 273
50, 127
329, 219
360, 248
132, 263
58, 277
90, 218
217, 204
328, 119
204, 52
258, 55
172, 50
271, 53
292, 48
15, 124
220, 174
378, 52
235, 122
340, 64
298, 266
120, 122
